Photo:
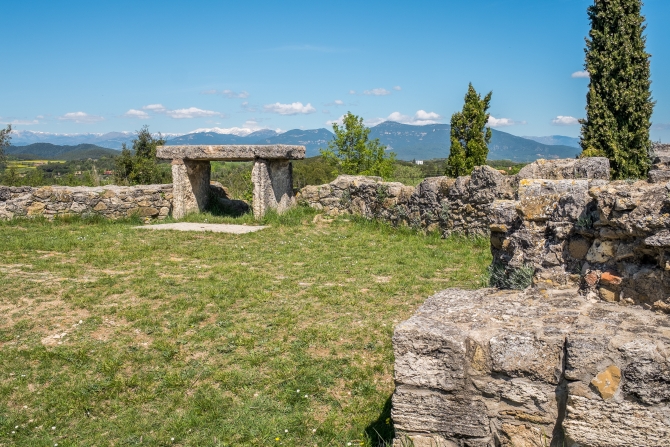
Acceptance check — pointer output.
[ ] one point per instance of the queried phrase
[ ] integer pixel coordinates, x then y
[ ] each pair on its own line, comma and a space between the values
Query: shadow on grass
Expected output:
381, 431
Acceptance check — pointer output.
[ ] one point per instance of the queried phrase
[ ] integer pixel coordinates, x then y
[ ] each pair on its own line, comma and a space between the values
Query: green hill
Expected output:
48, 151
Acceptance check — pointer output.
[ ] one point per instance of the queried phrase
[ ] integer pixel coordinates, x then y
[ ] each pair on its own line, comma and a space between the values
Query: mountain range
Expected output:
407, 141
48, 151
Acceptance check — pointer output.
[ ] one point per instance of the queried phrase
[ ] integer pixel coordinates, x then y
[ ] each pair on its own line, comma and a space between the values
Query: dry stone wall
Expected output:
113, 202
437, 204
537, 368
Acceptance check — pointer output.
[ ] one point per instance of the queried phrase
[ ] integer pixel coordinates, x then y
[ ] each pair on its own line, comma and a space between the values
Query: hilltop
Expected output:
48, 151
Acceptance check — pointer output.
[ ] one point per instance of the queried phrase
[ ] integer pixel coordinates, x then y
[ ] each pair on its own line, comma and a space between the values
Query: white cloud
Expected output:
339, 121
339, 102
420, 118
503, 122
377, 92
140, 114
248, 108
352, 92
232, 94
227, 93
191, 112
158, 108
565, 121
580, 74
397, 88
295, 108
80, 117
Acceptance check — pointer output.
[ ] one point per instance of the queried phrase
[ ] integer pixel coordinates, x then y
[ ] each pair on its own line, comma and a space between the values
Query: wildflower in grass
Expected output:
277, 438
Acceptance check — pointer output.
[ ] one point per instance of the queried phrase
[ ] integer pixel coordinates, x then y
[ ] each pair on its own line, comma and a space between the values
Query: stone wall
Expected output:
537, 368
612, 238
437, 204
563, 219
113, 202
582, 359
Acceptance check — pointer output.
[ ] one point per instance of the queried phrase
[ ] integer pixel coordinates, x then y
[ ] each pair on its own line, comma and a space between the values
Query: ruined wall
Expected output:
113, 202
437, 204
534, 368
583, 358
611, 238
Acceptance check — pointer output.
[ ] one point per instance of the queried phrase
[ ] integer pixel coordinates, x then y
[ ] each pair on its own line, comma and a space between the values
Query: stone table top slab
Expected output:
231, 152
214, 228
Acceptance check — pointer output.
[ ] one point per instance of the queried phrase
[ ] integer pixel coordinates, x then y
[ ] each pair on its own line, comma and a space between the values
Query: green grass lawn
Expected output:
114, 336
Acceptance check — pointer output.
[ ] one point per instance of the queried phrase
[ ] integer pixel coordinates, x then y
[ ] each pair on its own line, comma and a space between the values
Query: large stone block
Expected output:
273, 186
593, 168
190, 182
534, 368
231, 152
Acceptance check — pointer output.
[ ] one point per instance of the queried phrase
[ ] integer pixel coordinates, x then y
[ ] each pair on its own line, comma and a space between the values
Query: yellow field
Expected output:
24, 165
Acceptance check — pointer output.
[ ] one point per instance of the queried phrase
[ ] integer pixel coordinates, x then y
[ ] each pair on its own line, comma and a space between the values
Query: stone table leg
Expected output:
190, 184
273, 186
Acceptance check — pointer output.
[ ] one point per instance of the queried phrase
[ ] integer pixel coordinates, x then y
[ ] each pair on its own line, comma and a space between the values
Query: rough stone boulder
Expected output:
660, 168
592, 168
531, 369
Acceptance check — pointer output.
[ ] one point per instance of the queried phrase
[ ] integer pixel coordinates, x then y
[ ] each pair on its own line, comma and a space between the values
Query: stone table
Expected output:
272, 174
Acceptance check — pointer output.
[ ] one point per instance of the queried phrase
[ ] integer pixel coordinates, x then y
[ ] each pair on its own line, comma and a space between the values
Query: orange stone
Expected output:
610, 278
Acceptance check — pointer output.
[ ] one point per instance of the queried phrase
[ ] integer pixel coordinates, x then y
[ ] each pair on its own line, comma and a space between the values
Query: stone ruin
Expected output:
581, 358
272, 175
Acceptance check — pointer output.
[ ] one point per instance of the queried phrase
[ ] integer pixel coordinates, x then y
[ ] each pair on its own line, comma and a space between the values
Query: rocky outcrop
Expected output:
534, 368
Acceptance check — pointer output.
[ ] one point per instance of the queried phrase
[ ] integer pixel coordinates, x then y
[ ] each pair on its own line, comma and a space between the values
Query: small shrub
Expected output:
585, 222
510, 278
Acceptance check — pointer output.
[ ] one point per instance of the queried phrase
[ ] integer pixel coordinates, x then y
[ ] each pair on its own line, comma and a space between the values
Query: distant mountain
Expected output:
110, 140
408, 142
48, 151
557, 140
311, 139
207, 138
433, 141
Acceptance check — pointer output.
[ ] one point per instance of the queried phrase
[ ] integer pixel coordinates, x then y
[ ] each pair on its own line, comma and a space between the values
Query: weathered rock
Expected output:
594, 168
113, 202
231, 152
494, 368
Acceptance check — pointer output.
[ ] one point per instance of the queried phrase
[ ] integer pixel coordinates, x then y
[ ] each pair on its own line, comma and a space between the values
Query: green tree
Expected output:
140, 167
469, 137
352, 152
618, 103
5, 139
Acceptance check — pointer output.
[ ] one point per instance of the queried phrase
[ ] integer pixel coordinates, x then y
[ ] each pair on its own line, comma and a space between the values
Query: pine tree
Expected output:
619, 104
469, 137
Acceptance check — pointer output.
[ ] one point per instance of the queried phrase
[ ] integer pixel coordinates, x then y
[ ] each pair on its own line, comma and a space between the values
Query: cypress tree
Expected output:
469, 138
618, 104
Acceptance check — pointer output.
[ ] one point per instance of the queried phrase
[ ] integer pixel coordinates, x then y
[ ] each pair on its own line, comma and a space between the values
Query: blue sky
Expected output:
84, 66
